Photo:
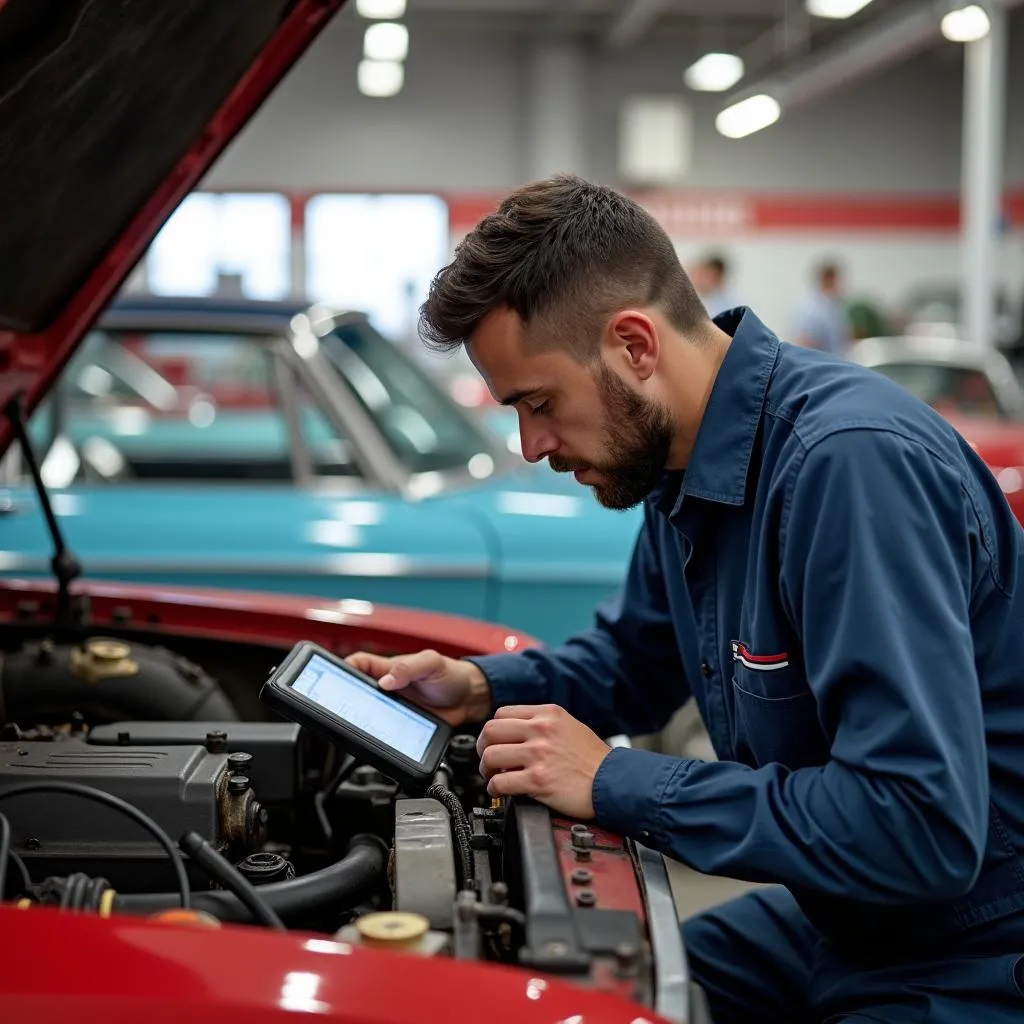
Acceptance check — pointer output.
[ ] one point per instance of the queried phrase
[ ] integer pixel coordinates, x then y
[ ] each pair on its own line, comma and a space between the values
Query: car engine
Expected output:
325, 843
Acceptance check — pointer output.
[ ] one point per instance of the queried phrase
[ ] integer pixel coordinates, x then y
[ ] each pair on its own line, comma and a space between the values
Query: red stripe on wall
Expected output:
685, 212
858, 213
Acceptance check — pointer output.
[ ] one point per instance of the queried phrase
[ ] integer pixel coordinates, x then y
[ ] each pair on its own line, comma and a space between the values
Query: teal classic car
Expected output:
265, 447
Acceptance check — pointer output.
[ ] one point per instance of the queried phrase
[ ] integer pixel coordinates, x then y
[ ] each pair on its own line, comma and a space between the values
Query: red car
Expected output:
975, 388
129, 715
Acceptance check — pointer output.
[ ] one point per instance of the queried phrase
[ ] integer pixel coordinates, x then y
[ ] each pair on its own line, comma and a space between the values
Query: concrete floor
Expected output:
695, 892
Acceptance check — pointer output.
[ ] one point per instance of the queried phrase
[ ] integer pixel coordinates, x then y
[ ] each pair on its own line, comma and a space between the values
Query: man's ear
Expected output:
634, 344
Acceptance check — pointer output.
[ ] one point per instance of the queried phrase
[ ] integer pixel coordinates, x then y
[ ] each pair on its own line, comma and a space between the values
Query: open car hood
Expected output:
111, 111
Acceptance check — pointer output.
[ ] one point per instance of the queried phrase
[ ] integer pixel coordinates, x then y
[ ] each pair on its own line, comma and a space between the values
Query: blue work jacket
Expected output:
836, 578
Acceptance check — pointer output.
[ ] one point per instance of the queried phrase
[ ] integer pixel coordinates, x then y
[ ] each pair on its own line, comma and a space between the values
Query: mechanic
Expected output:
824, 565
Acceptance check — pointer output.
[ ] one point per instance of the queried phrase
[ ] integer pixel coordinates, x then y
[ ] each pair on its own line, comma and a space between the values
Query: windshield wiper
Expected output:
66, 568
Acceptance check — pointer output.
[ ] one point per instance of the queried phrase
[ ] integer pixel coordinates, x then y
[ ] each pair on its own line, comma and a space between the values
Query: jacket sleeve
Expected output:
624, 674
876, 578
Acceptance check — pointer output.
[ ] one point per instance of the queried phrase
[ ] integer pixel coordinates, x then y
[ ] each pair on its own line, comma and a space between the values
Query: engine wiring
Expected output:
77, 893
98, 796
460, 828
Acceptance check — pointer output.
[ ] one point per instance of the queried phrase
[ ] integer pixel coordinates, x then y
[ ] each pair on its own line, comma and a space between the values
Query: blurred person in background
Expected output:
821, 319
711, 279
824, 565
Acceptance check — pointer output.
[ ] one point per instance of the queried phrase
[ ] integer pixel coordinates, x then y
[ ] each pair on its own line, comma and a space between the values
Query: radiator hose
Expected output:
338, 887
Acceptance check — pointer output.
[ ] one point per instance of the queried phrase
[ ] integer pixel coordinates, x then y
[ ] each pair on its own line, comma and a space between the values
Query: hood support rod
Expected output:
66, 568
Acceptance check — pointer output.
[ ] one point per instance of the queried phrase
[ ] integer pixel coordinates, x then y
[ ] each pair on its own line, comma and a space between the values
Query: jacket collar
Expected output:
720, 461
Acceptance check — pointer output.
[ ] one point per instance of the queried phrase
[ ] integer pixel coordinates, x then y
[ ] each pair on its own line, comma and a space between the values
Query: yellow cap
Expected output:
392, 928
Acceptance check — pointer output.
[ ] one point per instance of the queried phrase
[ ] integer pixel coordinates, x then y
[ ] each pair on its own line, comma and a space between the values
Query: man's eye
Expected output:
539, 410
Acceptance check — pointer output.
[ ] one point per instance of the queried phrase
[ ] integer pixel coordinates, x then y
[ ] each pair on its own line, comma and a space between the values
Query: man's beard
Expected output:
638, 436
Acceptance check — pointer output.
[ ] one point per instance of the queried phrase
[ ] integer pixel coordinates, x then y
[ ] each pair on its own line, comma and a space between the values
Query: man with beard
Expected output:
825, 565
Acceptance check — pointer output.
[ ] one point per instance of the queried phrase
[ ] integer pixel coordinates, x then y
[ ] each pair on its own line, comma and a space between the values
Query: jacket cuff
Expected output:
513, 680
629, 789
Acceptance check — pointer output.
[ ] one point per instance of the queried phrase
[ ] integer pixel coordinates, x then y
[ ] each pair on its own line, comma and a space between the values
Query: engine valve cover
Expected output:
181, 788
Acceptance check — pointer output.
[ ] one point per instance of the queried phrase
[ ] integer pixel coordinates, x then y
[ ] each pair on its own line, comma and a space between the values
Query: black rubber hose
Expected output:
26, 880
5, 852
338, 887
79, 885
228, 875
95, 894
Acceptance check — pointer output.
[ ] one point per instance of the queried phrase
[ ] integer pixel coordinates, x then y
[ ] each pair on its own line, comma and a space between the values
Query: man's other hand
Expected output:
543, 752
454, 690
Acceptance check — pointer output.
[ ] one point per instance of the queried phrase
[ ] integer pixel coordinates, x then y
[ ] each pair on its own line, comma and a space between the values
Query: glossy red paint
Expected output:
32, 361
272, 619
126, 969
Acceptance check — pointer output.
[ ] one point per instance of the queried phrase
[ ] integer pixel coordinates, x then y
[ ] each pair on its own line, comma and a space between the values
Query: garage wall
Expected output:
461, 122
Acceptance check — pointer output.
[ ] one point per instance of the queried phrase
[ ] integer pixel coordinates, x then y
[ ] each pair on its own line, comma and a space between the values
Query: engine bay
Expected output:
329, 845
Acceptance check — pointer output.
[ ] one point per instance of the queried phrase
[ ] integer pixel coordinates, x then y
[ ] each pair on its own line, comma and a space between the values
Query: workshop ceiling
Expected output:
768, 33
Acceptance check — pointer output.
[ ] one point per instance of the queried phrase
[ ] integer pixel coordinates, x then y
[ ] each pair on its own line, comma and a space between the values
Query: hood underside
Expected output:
110, 112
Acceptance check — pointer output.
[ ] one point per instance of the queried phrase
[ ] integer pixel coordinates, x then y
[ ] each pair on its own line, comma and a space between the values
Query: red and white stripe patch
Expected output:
758, 662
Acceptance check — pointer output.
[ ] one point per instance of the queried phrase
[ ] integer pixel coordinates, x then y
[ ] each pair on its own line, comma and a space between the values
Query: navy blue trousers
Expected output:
760, 961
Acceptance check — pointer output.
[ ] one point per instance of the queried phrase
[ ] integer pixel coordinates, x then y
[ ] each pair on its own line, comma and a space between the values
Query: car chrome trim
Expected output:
371, 565
301, 457
671, 977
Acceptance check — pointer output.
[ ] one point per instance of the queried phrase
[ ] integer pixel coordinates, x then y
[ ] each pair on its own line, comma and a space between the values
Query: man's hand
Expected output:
456, 691
542, 752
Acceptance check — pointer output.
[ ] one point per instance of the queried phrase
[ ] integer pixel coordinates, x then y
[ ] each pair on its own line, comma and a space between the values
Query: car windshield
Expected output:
424, 427
962, 390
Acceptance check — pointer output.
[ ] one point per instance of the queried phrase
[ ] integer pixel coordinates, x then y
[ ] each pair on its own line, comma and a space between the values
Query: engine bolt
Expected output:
238, 784
627, 958
577, 828
217, 742
239, 763
581, 876
586, 898
32, 844
583, 840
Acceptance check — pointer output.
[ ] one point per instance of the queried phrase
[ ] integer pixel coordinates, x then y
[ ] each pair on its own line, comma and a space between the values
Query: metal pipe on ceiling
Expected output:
632, 24
880, 44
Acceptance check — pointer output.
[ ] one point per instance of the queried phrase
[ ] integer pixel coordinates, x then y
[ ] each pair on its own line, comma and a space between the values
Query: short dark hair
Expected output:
717, 264
827, 271
561, 249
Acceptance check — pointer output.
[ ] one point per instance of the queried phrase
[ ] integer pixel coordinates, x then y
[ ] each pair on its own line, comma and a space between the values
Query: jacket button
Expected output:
705, 670
645, 835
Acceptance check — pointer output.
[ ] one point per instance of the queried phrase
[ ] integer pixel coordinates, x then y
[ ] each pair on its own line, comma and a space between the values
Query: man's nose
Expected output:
537, 443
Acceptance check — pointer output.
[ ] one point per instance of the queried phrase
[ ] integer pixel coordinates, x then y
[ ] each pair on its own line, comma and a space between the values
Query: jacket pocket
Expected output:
776, 717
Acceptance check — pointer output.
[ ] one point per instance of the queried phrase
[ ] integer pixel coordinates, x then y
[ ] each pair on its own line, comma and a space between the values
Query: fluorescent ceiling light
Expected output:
748, 116
835, 8
386, 40
966, 25
380, 78
714, 72
385, 9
